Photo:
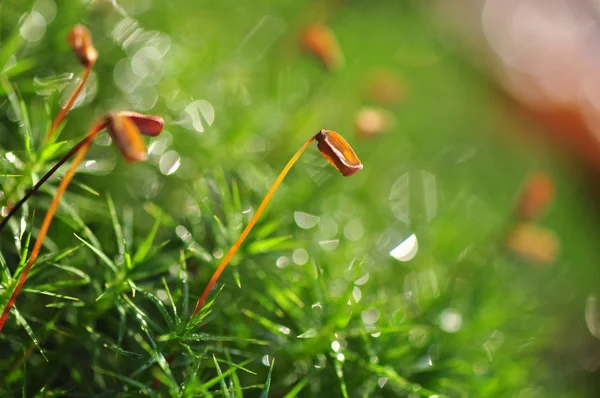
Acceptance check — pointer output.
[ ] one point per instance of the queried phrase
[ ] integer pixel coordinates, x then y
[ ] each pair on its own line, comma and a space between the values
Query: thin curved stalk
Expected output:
249, 227
63, 112
48, 218
127, 138
41, 182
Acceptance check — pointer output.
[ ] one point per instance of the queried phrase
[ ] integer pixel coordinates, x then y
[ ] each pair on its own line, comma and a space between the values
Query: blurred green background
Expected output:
314, 293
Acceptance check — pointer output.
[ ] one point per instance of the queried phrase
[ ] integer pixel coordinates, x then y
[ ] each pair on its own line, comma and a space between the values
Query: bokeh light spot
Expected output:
300, 256
370, 316
169, 163
305, 220
353, 230
33, 27
450, 320
406, 250
198, 115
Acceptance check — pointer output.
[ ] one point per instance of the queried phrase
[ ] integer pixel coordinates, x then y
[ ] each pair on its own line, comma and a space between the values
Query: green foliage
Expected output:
303, 310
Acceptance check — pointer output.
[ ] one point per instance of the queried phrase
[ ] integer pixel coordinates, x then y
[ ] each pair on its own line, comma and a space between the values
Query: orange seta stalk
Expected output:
63, 112
125, 128
80, 40
337, 152
48, 218
41, 182
250, 225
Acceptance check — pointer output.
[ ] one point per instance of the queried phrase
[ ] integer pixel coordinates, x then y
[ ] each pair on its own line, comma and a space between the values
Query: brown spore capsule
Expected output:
149, 125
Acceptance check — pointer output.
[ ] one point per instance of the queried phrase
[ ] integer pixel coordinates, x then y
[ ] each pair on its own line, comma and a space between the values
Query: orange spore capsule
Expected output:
80, 41
338, 152
533, 243
319, 40
127, 137
537, 195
